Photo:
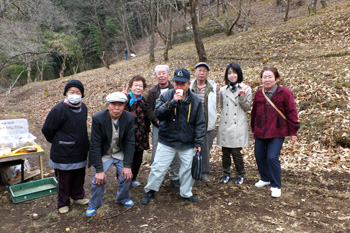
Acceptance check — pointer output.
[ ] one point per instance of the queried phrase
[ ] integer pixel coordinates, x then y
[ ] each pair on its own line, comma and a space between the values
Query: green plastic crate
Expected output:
33, 189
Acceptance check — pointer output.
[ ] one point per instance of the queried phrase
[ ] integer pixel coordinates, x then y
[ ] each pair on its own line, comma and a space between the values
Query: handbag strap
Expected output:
273, 105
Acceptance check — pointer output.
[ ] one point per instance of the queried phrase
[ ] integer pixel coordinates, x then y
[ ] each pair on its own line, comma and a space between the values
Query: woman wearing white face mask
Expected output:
65, 128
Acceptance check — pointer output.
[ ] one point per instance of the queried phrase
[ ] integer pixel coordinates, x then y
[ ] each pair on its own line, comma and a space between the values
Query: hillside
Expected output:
312, 54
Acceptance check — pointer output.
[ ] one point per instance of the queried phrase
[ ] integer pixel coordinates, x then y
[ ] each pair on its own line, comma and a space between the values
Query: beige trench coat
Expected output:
233, 127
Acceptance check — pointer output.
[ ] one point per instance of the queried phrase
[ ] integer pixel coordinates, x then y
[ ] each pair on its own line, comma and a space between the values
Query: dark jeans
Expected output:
267, 152
70, 185
136, 163
237, 159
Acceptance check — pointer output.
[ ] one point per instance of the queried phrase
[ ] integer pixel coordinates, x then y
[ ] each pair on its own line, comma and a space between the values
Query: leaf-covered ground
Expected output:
312, 54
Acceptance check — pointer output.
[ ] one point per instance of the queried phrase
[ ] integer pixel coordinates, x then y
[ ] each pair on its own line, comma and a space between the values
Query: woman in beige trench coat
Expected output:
235, 101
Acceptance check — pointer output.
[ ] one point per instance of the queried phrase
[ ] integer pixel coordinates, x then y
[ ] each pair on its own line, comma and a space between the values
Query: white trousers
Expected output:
162, 160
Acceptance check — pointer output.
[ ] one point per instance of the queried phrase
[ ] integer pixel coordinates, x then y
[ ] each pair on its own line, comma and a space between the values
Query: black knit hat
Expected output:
74, 83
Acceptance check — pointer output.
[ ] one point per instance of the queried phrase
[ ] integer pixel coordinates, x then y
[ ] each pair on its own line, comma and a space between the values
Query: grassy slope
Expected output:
312, 54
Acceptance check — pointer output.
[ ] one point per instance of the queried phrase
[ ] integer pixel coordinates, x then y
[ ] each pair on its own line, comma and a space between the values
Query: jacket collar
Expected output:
208, 88
233, 95
157, 87
108, 124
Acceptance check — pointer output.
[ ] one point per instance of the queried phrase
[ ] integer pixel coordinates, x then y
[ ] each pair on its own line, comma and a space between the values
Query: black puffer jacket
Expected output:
181, 124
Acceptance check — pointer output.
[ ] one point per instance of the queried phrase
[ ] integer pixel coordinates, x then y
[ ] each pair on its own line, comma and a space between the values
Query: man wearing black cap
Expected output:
208, 92
65, 128
181, 130
163, 75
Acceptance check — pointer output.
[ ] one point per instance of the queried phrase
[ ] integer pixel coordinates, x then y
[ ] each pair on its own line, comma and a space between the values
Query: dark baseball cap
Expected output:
182, 75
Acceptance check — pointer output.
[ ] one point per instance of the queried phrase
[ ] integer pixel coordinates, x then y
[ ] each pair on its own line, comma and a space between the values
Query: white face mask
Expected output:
74, 99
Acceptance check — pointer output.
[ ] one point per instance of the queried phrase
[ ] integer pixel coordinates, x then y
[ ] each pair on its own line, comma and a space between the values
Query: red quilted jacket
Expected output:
266, 122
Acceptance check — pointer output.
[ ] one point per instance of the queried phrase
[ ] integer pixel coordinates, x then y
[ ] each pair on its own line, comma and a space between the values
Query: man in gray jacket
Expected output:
208, 92
181, 130
112, 143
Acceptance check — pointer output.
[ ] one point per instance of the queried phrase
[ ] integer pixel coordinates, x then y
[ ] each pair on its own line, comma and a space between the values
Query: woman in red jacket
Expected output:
271, 122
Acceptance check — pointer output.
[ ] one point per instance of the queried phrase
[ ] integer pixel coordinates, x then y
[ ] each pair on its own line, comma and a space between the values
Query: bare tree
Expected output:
287, 11
217, 8
200, 11
247, 14
312, 6
168, 37
4, 4
151, 46
14, 83
227, 25
202, 56
23, 32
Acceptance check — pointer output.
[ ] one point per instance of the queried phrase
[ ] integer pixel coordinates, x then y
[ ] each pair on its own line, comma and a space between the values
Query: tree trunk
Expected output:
246, 22
223, 6
63, 66
312, 7
169, 38
40, 70
151, 46
200, 12
105, 61
140, 23
229, 29
29, 69
217, 8
14, 83
287, 11
185, 14
196, 33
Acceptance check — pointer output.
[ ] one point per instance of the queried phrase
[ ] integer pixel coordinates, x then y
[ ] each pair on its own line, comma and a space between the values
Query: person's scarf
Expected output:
232, 86
75, 108
133, 99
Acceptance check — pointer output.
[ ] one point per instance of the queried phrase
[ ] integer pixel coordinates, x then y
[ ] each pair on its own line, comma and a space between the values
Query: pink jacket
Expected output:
266, 122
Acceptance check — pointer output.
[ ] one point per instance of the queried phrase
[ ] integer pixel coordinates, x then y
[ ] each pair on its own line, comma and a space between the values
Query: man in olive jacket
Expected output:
181, 130
112, 143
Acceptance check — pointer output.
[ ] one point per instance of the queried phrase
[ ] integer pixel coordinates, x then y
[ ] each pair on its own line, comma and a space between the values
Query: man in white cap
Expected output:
208, 92
112, 143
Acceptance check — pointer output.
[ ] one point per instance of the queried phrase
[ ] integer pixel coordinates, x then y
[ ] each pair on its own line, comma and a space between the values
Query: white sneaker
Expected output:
275, 192
63, 209
261, 183
135, 183
83, 201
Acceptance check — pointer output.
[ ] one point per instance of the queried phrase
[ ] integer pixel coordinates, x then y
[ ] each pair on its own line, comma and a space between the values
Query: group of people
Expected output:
183, 115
